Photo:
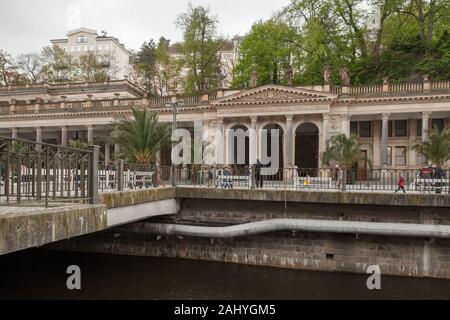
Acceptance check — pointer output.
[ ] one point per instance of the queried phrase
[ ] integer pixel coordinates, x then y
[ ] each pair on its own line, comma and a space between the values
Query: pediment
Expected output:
272, 94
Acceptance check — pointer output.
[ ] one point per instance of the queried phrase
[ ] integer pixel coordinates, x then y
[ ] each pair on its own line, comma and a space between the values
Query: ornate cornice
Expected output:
272, 94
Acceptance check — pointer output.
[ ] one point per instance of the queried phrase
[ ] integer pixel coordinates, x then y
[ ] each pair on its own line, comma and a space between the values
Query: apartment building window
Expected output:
398, 128
354, 128
401, 128
82, 39
362, 129
438, 123
400, 156
365, 129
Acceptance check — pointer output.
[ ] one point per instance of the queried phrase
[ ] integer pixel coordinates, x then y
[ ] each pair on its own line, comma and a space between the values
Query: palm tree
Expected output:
345, 151
142, 137
437, 149
78, 144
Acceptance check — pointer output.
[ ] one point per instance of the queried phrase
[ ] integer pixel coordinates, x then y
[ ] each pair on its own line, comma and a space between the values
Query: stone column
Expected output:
116, 152
221, 145
229, 144
289, 150
158, 158
376, 157
325, 126
107, 152
64, 136
38, 137
254, 140
38, 134
385, 140
90, 135
425, 126
412, 142
14, 133
345, 119
198, 142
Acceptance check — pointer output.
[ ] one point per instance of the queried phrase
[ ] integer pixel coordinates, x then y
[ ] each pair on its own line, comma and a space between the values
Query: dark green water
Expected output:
37, 274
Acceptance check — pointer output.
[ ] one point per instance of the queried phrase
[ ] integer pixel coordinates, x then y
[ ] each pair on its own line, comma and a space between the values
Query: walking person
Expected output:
258, 176
401, 184
210, 175
339, 176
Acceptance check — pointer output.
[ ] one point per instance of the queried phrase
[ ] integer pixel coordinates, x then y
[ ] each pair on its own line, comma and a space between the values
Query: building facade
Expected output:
388, 118
109, 50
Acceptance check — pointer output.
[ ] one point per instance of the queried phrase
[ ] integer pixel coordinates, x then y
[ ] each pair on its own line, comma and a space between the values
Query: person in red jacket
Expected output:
401, 184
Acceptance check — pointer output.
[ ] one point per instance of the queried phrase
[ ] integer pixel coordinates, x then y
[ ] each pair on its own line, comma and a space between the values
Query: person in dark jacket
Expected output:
258, 175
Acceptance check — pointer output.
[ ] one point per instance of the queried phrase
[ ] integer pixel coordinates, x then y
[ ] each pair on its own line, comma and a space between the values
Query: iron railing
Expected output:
323, 179
40, 172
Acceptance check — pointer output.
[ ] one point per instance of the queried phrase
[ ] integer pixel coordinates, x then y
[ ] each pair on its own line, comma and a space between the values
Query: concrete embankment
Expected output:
403, 240
23, 227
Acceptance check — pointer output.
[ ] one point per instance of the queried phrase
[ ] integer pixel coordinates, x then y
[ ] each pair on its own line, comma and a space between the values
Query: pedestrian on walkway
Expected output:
401, 184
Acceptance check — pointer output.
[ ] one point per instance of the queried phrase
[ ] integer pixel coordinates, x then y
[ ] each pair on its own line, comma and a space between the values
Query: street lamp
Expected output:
174, 104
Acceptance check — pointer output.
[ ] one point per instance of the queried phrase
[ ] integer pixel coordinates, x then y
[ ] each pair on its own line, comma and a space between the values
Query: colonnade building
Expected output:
388, 118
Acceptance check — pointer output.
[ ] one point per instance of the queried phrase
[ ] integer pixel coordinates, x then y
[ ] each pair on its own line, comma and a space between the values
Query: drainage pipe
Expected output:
322, 226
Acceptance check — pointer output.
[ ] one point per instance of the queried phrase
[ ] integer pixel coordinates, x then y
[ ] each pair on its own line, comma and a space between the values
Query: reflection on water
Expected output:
38, 274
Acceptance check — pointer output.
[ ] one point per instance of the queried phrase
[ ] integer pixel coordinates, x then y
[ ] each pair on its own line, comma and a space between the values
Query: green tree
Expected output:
142, 137
437, 148
9, 73
268, 47
94, 68
78, 144
58, 66
156, 67
345, 151
30, 66
200, 49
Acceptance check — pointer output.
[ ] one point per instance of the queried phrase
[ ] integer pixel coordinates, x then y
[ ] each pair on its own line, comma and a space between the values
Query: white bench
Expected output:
421, 184
313, 182
224, 181
139, 179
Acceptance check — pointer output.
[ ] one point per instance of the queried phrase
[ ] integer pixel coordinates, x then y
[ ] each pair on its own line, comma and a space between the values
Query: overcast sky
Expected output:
27, 26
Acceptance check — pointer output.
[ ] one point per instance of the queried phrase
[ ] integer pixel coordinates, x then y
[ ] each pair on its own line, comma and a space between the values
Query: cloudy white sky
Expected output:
28, 25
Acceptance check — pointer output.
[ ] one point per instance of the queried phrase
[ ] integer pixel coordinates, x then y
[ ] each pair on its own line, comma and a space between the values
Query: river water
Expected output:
40, 274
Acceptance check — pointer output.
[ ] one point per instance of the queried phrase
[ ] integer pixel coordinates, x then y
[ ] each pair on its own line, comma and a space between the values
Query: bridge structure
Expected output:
50, 193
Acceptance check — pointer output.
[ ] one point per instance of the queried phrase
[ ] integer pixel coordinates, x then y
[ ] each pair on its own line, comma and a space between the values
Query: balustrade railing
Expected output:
157, 102
366, 89
406, 87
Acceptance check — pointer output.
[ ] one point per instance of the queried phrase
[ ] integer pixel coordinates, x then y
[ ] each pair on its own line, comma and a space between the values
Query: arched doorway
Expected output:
241, 146
307, 146
269, 150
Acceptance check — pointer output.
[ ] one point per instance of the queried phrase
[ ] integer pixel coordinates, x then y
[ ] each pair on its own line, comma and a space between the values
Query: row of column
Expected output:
64, 140
288, 145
